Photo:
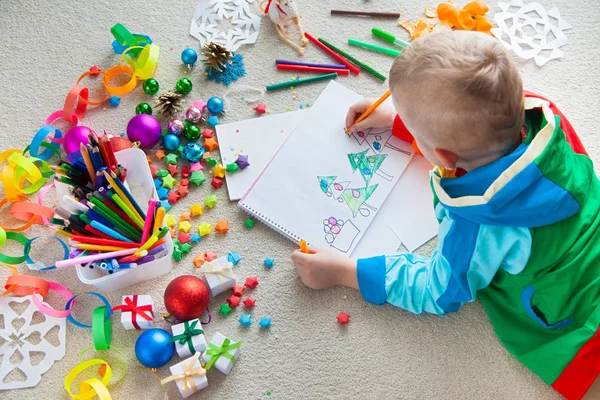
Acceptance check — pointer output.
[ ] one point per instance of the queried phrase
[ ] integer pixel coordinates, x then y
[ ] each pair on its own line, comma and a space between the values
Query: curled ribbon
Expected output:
188, 333
221, 272
131, 306
101, 328
69, 305
188, 374
91, 387
14, 271
147, 62
215, 352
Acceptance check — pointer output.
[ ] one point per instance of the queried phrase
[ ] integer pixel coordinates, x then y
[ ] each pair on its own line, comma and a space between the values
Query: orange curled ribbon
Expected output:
86, 100
119, 90
75, 103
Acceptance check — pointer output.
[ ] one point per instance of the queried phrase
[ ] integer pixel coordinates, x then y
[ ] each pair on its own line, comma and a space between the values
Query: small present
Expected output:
188, 337
222, 353
137, 311
219, 275
189, 376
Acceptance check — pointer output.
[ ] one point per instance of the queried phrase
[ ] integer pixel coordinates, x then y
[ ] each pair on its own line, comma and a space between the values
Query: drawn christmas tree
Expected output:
325, 182
355, 198
367, 165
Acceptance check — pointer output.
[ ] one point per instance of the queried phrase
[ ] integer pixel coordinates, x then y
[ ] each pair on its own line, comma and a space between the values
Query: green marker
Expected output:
374, 47
354, 60
287, 84
389, 37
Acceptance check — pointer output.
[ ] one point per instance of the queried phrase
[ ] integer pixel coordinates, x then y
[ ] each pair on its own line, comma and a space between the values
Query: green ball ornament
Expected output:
151, 86
143, 108
192, 133
183, 86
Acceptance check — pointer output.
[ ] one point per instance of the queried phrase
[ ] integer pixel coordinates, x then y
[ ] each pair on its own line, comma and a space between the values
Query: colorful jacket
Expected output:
522, 233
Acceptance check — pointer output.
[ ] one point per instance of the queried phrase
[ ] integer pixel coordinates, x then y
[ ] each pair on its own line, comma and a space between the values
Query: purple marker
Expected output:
145, 259
307, 64
157, 249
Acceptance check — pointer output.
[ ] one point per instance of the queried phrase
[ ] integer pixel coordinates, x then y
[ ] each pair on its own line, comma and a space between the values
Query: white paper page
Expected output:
323, 185
259, 139
408, 209
380, 239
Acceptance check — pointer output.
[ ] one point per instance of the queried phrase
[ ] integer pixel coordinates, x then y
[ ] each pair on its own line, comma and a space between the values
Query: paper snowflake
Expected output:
228, 22
22, 339
530, 31
231, 72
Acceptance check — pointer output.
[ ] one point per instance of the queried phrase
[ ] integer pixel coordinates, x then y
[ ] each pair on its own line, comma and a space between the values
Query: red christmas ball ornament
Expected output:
186, 297
120, 143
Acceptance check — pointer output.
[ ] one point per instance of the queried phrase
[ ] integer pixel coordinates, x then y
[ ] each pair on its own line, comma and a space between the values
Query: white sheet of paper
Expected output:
409, 208
380, 239
326, 187
258, 138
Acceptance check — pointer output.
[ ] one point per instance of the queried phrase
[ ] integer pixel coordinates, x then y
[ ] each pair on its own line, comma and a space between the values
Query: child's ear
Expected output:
446, 157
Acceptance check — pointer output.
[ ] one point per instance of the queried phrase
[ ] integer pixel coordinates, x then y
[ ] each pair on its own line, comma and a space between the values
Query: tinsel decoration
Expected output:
216, 57
168, 104
231, 72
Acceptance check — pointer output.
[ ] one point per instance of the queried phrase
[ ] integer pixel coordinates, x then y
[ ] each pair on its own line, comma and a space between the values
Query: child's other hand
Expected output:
382, 117
323, 268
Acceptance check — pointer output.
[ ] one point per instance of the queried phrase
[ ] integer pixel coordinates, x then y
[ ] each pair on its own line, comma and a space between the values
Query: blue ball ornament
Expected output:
171, 142
215, 105
189, 56
192, 152
153, 349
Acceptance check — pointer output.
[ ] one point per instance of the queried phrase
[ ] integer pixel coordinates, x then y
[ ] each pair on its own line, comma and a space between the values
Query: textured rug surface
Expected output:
384, 352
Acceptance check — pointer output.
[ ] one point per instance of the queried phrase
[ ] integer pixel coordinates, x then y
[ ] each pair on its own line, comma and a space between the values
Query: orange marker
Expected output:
303, 246
370, 110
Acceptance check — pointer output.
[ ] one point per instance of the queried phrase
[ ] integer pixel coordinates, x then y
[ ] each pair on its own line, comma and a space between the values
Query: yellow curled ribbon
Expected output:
146, 64
221, 272
188, 374
20, 168
91, 387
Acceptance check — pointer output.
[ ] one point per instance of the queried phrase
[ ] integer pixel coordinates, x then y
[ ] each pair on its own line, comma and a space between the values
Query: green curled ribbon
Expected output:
17, 237
215, 352
188, 332
101, 328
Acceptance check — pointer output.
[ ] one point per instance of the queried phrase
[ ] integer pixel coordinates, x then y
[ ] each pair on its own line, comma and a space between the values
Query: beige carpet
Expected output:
384, 352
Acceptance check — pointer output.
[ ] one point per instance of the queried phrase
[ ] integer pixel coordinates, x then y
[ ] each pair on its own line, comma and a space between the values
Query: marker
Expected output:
374, 47
333, 54
389, 37
366, 14
307, 64
300, 81
303, 246
95, 257
369, 110
361, 64
303, 68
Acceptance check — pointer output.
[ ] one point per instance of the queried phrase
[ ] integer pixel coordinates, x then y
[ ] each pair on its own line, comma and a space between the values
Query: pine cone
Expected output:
168, 104
216, 56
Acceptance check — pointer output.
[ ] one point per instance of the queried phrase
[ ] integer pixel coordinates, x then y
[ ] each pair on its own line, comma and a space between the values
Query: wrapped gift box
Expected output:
137, 311
189, 338
222, 353
219, 275
189, 376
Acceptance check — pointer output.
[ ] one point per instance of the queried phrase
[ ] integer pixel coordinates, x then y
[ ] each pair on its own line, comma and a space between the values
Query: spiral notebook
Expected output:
325, 186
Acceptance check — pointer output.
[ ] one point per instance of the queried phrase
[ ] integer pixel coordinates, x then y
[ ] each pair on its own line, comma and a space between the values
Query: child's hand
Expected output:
323, 268
382, 117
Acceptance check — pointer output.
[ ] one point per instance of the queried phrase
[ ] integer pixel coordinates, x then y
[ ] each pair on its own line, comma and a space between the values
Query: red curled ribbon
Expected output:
131, 306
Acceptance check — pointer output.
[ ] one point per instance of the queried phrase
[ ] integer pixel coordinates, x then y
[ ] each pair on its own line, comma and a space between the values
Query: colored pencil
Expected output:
94, 257
88, 163
104, 242
110, 232
124, 194
303, 246
125, 229
159, 219
96, 232
372, 108
149, 220
303, 68
353, 59
128, 211
366, 14
355, 70
95, 247
300, 81
65, 180
307, 64
374, 47
109, 203
75, 204
64, 233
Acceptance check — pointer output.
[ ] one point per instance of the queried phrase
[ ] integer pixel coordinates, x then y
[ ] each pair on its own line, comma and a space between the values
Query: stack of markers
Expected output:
107, 227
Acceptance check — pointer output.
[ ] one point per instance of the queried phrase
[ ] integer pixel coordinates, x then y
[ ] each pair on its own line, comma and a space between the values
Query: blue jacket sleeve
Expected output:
466, 259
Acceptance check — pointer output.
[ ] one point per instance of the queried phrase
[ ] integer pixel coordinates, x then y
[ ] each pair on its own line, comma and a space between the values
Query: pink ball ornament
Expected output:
193, 114
144, 128
75, 136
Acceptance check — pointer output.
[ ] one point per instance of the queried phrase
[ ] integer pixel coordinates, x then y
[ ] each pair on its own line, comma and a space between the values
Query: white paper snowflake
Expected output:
20, 336
531, 31
227, 22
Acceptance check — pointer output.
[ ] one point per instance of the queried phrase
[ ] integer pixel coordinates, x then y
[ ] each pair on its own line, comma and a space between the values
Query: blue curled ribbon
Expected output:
32, 264
39, 137
79, 324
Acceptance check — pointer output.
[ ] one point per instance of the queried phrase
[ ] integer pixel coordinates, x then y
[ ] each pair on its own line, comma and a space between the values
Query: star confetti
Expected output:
249, 223
222, 226
186, 216
251, 282
204, 229
199, 260
185, 226
234, 257
269, 262
238, 290
197, 178
196, 210
245, 319
210, 144
171, 158
216, 182
225, 309
168, 182
195, 238
264, 322
233, 301
211, 201
343, 318
242, 161
260, 108
249, 302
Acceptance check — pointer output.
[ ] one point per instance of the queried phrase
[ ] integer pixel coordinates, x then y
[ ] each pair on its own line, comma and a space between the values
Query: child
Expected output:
518, 204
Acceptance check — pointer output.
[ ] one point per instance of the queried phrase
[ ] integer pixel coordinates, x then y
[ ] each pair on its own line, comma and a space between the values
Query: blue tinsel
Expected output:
231, 73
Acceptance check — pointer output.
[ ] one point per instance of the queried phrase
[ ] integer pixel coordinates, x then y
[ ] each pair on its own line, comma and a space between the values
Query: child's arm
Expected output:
466, 260
382, 117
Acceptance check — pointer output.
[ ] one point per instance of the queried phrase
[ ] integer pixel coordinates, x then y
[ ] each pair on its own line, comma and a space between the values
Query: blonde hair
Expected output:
461, 91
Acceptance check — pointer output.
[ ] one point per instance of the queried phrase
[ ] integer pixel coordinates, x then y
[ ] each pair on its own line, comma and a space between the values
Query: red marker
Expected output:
304, 68
333, 54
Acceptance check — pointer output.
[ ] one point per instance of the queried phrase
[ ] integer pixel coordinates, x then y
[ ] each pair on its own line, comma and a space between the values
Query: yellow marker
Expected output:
303, 246
130, 213
149, 243
122, 195
370, 110
160, 217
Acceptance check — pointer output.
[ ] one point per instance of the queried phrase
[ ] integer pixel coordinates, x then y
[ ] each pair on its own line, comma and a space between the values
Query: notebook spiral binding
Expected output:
270, 223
